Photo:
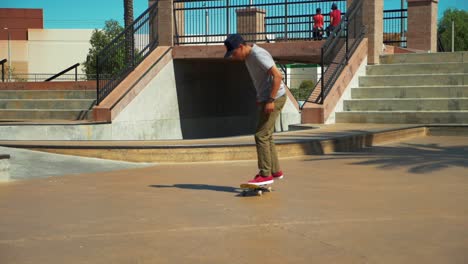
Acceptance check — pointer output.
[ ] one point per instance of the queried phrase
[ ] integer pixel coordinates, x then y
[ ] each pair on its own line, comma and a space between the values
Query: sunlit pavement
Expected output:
398, 203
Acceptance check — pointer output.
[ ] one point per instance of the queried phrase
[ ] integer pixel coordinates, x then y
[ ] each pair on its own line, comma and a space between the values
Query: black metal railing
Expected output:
2, 62
440, 44
55, 76
41, 77
205, 22
337, 50
395, 24
126, 51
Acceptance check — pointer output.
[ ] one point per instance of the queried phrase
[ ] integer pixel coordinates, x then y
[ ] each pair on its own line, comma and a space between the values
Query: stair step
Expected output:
47, 94
442, 57
414, 80
66, 114
84, 104
403, 117
423, 68
439, 104
457, 91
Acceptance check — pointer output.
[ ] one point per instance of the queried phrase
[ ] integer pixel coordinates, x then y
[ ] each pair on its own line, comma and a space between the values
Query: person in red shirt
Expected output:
335, 19
318, 24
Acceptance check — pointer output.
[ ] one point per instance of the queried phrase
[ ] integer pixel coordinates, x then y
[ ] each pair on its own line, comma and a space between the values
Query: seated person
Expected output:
318, 24
335, 19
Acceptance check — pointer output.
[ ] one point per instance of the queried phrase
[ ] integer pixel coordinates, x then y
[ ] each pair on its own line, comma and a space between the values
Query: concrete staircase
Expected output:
21, 105
412, 89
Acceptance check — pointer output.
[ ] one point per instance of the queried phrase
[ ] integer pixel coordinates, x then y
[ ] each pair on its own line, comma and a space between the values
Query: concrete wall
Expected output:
18, 56
297, 74
53, 50
217, 99
47, 51
187, 99
153, 113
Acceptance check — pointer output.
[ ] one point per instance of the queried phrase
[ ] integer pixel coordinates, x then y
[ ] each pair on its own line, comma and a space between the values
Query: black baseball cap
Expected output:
232, 42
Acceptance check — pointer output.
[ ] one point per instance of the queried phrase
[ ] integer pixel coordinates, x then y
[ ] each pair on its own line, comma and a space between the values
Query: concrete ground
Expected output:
398, 203
28, 164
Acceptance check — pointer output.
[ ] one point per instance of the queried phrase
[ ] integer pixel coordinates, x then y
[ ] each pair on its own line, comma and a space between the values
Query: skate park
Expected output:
152, 175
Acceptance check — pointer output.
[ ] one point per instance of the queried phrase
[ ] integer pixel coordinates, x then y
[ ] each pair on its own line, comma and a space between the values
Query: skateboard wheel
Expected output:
259, 193
269, 188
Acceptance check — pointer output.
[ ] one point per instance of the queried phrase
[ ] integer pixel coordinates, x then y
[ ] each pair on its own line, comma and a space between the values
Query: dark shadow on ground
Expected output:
419, 158
206, 187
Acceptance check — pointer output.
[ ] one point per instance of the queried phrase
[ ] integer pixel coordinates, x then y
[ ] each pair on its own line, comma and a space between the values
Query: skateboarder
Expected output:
271, 97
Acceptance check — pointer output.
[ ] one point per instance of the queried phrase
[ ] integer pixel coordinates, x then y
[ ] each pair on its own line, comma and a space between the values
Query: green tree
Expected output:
460, 17
99, 40
307, 84
303, 92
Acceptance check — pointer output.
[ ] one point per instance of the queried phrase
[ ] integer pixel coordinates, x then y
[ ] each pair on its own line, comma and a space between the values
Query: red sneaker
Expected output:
278, 175
261, 180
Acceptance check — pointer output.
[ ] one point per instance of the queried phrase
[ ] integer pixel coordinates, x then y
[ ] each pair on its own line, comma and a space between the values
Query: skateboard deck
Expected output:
259, 189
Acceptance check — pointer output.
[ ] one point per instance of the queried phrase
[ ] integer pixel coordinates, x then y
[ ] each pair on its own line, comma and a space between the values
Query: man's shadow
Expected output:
207, 187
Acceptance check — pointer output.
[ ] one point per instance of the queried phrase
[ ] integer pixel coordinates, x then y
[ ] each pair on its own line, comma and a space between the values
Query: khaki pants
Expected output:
266, 152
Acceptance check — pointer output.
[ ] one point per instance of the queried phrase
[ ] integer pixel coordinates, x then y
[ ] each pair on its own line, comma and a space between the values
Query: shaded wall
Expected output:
216, 98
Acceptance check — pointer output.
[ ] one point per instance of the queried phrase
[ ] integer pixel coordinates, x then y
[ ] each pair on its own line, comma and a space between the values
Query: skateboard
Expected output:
259, 189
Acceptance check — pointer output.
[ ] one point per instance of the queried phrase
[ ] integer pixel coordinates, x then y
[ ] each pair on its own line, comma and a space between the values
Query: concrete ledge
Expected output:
447, 130
4, 167
80, 85
132, 85
298, 51
297, 143
316, 113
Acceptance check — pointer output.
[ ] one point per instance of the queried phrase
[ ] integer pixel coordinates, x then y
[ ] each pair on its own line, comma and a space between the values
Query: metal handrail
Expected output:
394, 22
440, 45
109, 73
2, 62
335, 53
74, 66
284, 20
41, 77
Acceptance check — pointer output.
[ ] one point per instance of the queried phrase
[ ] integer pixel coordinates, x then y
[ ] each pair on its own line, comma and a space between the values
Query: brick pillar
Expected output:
373, 19
165, 23
251, 20
422, 25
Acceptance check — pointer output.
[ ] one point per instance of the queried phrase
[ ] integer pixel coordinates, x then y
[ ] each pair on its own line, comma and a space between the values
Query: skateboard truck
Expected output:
259, 189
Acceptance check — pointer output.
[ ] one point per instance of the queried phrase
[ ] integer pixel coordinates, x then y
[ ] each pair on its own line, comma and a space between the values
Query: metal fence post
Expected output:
97, 81
322, 78
132, 47
347, 41
227, 17
285, 19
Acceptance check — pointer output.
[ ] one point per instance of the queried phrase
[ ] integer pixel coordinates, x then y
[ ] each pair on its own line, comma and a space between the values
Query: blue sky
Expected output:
93, 13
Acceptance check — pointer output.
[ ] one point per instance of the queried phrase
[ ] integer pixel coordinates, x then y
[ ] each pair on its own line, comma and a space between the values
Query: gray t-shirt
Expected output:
258, 63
